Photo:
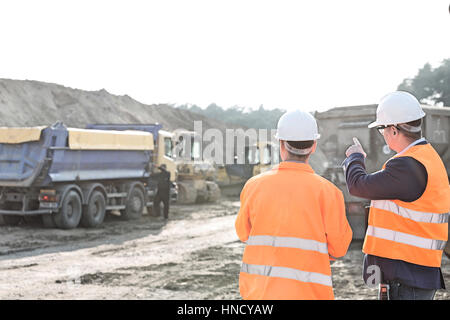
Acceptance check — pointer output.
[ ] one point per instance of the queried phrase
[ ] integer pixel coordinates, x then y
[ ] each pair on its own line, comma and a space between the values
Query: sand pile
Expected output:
31, 103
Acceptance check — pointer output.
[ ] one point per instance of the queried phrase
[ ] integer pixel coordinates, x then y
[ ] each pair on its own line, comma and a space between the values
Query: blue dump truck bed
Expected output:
42, 156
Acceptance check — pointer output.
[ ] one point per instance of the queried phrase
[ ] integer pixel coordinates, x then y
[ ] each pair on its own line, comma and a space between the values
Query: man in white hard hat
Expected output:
408, 219
292, 221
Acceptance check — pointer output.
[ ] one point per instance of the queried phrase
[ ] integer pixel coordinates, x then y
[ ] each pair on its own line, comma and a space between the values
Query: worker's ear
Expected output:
314, 147
282, 150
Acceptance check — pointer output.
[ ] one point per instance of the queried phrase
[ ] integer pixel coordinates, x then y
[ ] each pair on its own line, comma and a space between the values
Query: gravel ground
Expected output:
195, 255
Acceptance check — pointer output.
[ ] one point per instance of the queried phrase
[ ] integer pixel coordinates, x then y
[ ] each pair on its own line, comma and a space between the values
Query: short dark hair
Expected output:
412, 135
300, 145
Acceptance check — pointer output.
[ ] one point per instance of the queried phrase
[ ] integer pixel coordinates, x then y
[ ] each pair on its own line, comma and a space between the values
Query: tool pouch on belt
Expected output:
383, 291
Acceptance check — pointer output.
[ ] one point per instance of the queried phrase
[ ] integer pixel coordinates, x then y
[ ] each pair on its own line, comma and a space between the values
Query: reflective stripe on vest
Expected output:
405, 238
288, 242
288, 273
283, 272
408, 213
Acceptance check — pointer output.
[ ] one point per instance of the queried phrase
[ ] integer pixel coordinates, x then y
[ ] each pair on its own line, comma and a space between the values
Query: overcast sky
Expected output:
305, 54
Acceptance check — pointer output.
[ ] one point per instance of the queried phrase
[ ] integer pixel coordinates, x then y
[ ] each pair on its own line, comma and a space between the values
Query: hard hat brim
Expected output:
316, 137
373, 124
376, 123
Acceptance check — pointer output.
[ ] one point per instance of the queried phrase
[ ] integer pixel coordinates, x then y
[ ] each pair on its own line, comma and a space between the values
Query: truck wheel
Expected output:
69, 214
187, 194
94, 212
11, 220
213, 191
134, 205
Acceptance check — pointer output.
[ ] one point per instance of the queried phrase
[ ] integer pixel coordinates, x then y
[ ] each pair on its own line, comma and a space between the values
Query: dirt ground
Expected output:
195, 255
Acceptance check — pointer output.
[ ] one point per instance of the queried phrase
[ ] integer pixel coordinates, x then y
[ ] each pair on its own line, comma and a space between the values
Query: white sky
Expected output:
304, 54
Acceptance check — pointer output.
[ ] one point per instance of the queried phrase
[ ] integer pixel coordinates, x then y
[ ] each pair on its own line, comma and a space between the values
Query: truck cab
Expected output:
164, 155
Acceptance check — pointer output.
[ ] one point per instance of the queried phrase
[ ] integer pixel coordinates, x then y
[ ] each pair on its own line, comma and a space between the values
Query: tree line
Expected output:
260, 118
430, 85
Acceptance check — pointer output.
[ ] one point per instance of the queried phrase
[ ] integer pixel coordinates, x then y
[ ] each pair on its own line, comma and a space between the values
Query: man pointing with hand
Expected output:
356, 148
408, 219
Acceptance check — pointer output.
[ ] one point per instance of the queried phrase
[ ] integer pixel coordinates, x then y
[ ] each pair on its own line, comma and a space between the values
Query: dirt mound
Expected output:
30, 103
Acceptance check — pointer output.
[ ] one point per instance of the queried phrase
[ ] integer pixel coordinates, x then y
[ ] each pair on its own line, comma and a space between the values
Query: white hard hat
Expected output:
297, 125
397, 107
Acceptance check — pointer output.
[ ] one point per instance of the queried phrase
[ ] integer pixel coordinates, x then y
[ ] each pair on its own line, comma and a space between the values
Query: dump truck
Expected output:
72, 176
162, 153
339, 125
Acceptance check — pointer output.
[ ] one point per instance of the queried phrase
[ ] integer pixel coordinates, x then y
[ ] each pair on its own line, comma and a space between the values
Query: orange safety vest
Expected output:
292, 221
416, 231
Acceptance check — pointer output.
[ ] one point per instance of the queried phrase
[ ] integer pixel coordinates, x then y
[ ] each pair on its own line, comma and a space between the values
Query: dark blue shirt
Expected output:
404, 179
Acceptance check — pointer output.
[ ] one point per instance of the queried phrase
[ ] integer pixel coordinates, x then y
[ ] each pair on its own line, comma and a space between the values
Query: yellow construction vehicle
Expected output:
259, 157
196, 176
269, 156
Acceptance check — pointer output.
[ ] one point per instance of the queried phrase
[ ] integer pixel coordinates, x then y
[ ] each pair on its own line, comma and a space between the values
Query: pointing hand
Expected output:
355, 148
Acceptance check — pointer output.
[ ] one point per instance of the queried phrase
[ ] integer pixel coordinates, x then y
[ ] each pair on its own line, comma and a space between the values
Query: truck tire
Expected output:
94, 211
187, 194
213, 191
134, 205
69, 214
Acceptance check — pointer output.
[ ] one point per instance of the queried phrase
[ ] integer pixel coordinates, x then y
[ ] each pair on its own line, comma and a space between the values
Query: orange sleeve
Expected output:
337, 229
243, 225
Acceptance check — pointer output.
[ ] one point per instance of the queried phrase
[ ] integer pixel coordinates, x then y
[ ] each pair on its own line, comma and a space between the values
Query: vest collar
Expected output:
411, 145
295, 165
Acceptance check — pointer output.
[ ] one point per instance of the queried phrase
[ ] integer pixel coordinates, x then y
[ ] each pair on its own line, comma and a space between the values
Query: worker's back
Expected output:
292, 220
163, 179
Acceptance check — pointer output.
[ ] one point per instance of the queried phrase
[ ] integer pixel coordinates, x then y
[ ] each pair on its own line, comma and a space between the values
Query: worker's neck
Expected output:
296, 160
403, 144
